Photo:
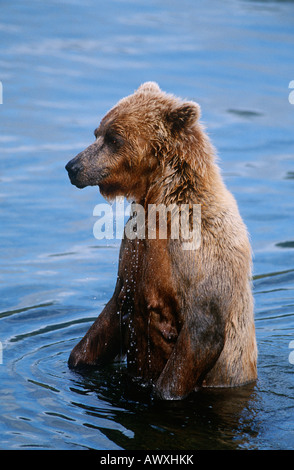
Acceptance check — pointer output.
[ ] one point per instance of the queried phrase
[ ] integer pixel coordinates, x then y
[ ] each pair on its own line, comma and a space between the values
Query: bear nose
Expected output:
73, 168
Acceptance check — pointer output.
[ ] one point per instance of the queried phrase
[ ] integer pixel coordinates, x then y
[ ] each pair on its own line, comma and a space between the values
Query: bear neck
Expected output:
186, 174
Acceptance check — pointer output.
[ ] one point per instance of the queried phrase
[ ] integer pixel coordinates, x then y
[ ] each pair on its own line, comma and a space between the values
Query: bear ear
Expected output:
183, 116
149, 86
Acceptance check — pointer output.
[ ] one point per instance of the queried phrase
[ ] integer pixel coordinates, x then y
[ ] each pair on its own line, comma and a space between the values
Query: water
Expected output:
63, 65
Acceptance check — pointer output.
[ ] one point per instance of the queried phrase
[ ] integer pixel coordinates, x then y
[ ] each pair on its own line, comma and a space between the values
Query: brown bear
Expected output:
184, 318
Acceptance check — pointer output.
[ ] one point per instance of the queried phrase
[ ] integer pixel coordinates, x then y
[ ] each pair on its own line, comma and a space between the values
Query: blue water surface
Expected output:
63, 64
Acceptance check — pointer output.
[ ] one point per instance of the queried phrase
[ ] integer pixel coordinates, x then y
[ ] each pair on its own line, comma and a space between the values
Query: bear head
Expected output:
134, 141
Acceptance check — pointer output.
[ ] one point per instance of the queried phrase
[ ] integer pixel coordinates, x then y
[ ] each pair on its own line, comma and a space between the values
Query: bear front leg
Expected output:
103, 341
197, 349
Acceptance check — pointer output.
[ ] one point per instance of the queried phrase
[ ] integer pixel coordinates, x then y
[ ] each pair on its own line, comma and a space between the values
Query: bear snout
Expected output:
74, 169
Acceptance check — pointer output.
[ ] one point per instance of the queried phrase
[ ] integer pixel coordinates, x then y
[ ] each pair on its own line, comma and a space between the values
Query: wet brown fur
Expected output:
184, 317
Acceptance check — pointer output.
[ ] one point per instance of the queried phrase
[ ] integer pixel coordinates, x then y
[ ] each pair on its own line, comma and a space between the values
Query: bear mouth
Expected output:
80, 180
78, 185
75, 181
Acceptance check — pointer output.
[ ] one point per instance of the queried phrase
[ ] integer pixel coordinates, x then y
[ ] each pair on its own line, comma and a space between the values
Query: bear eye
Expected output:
113, 139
